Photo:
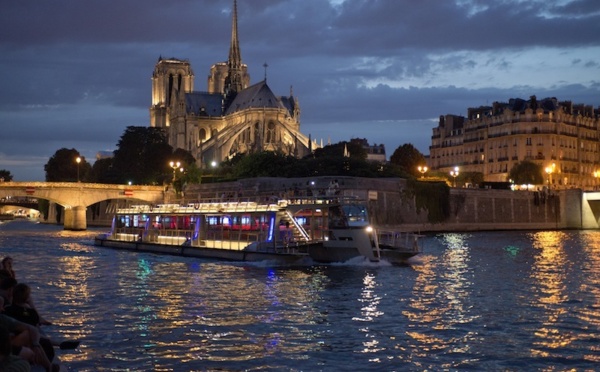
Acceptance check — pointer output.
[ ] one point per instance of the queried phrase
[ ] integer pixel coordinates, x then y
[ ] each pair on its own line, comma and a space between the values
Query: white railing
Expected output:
400, 240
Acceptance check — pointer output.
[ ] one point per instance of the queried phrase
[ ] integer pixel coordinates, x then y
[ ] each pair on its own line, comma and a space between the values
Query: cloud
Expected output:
76, 74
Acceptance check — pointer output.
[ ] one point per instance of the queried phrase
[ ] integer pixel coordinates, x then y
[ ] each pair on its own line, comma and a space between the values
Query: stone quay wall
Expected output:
392, 206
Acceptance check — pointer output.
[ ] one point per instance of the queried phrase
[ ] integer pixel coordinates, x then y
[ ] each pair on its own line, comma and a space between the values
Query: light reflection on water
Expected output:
493, 301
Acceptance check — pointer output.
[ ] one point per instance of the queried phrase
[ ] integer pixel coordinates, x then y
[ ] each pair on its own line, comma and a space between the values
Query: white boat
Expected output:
321, 229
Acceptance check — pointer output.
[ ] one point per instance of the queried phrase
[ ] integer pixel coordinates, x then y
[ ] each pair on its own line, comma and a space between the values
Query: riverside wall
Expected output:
392, 206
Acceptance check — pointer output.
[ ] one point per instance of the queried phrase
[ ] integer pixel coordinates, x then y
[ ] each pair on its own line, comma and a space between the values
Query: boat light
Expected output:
369, 229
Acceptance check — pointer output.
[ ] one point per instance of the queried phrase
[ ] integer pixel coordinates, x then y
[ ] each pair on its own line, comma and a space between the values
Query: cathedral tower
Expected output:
170, 77
232, 76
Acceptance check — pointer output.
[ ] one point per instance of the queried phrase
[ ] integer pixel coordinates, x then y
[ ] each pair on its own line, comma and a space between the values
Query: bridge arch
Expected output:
76, 197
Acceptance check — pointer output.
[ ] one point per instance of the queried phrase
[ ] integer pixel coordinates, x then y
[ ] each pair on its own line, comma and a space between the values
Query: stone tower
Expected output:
170, 77
232, 117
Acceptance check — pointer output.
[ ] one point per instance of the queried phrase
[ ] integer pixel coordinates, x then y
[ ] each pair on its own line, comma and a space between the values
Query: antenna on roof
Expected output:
265, 66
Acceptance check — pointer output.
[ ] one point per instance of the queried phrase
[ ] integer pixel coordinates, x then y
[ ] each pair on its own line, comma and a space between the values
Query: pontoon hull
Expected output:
283, 257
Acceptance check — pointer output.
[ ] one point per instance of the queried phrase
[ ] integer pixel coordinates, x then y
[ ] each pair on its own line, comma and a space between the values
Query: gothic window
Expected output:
270, 135
256, 132
202, 135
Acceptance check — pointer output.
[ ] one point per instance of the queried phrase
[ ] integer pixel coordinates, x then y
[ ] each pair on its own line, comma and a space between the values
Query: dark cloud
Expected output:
75, 74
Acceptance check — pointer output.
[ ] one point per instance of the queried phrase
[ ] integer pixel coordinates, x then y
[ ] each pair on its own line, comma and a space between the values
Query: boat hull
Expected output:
287, 256
339, 254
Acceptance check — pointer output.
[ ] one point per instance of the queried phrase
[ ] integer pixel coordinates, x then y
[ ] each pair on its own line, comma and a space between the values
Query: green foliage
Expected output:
327, 161
63, 167
183, 156
102, 171
5, 175
264, 164
142, 157
408, 158
526, 172
434, 197
474, 178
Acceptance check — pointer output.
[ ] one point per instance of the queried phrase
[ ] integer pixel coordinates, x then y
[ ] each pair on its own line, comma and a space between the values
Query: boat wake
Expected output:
363, 262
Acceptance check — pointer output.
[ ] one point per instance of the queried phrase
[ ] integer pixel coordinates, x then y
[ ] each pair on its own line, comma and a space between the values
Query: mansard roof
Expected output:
258, 95
204, 103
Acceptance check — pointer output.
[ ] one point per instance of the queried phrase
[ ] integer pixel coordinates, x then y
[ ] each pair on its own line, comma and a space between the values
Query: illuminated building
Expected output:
492, 139
231, 117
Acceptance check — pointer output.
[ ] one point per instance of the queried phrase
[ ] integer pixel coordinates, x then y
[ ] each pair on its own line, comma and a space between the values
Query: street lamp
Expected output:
422, 169
549, 172
174, 165
454, 173
78, 160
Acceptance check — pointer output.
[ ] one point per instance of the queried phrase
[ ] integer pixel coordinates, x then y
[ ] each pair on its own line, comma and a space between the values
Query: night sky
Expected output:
75, 74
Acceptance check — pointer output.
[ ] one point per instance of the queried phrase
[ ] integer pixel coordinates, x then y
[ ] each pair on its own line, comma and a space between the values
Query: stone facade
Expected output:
561, 136
231, 117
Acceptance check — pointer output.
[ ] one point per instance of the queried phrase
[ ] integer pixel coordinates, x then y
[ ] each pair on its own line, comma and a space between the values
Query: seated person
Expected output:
6, 288
7, 282
7, 265
20, 309
27, 339
8, 361
23, 312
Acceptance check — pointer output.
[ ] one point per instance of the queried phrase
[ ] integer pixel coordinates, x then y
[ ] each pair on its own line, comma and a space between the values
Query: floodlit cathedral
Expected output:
232, 117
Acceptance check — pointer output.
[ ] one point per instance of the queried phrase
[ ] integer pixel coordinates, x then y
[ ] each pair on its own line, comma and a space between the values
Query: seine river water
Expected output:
479, 301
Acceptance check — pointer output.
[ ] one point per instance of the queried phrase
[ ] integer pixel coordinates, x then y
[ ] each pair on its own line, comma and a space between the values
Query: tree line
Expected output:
143, 155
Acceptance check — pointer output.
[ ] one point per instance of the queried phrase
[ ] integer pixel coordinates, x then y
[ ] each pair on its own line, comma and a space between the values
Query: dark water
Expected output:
486, 301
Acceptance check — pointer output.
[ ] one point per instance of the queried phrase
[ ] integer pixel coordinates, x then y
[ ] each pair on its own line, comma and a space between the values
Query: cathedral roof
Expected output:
203, 103
258, 95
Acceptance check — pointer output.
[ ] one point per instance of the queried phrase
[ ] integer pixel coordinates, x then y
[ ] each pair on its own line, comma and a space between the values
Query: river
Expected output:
477, 301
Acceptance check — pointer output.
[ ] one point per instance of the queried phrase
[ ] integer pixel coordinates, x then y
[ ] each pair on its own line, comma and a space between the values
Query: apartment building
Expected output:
562, 137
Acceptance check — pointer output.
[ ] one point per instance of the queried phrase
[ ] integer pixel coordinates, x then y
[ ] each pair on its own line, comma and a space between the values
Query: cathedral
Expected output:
231, 117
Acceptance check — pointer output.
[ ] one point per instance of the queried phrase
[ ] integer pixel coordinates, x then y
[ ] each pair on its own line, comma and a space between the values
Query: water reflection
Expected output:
442, 302
369, 311
482, 301
549, 275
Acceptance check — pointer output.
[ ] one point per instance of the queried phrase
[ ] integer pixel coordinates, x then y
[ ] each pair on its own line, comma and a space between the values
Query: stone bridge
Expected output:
75, 197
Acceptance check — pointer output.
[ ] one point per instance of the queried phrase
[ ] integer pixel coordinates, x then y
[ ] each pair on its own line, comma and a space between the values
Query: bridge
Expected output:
75, 197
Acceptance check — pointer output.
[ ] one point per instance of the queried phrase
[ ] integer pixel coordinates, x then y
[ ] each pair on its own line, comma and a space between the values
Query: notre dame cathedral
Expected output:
232, 117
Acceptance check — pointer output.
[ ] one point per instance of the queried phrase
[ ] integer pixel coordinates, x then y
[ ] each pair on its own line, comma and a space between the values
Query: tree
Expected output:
63, 167
526, 173
142, 156
183, 156
5, 176
408, 158
102, 171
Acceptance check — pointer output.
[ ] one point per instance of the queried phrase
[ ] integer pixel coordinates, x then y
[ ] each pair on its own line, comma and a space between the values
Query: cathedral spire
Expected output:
233, 82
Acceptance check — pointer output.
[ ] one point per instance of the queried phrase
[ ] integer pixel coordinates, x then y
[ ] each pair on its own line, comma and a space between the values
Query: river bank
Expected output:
392, 204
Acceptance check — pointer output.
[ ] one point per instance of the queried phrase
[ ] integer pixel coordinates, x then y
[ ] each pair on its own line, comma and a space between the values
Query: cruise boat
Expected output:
296, 230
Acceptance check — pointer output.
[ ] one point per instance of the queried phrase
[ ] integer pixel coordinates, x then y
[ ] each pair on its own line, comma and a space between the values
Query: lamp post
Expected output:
549, 172
454, 173
422, 169
78, 160
174, 165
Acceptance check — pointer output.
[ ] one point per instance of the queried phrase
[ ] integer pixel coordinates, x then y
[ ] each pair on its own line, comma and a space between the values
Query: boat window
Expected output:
356, 214
337, 218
